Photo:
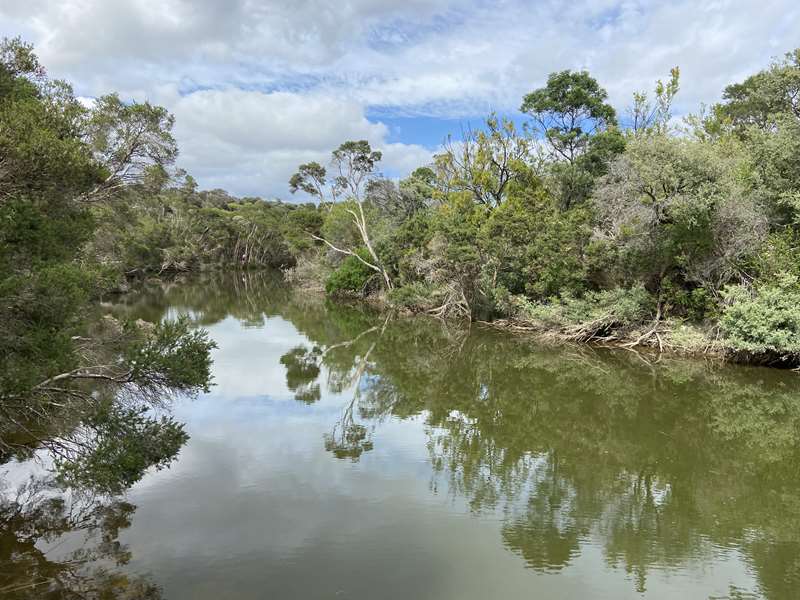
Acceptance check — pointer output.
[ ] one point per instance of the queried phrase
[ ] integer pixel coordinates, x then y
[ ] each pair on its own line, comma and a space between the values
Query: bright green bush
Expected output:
352, 276
765, 321
779, 253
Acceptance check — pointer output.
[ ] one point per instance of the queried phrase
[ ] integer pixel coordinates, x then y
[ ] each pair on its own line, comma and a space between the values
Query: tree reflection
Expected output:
38, 515
95, 454
661, 465
302, 371
348, 438
549, 532
94, 433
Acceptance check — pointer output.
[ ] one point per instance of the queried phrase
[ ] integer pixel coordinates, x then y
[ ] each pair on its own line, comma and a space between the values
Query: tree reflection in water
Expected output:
94, 457
660, 465
38, 518
90, 436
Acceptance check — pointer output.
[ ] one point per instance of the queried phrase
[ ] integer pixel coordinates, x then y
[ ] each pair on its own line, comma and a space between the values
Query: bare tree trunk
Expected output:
361, 223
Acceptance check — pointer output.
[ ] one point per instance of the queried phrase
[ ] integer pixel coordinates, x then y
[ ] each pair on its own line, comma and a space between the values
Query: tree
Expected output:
485, 162
580, 128
573, 183
646, 115
775, 169
568, 111
19, 60
675, 207
41, 144
399, 202
129, 141
764, 112
354, 163
311, 179
45, 168
760, 97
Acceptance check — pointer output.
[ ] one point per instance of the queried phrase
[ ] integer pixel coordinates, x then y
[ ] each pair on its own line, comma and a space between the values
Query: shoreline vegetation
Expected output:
671, 337
579, 225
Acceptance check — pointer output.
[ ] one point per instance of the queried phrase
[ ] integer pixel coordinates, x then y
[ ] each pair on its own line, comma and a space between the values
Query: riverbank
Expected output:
648, 336
669, 336
600, 320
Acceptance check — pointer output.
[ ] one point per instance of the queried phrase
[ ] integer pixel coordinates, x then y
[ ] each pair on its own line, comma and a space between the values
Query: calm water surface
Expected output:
342, 455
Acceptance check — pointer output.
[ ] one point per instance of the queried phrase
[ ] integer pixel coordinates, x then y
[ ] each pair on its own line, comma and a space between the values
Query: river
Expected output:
344, 454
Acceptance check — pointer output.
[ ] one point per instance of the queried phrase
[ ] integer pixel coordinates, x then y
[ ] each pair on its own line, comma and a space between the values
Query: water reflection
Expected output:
61, 546
664, 465
68, 454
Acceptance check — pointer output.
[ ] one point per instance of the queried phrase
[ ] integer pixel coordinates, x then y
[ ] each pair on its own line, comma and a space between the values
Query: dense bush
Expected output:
416, 296
174, 228
352, 276
536, 249
765, 320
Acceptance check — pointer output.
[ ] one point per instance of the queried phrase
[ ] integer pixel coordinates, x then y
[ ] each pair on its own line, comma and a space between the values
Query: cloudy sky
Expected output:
259, 86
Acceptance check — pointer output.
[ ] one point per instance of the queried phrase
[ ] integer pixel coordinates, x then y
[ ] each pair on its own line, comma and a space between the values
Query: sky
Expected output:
259, 86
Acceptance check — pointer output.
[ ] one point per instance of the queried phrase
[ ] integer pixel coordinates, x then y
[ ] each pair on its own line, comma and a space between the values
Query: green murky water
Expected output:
343, 455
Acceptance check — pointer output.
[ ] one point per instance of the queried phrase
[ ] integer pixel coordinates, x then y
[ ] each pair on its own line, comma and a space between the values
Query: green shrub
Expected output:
534, 248
779, 253
352, 276
764, 321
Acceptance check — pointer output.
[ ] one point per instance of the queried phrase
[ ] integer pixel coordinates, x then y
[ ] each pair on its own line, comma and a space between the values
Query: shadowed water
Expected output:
343, 454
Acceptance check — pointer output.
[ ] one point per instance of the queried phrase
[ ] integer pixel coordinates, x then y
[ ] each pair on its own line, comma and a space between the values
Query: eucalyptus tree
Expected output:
568, 111
129, 141
572, 116
354, 165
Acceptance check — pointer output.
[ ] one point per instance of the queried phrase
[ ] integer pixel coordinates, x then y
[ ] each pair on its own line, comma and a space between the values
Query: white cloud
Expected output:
265, 84
251, 142
291, 121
